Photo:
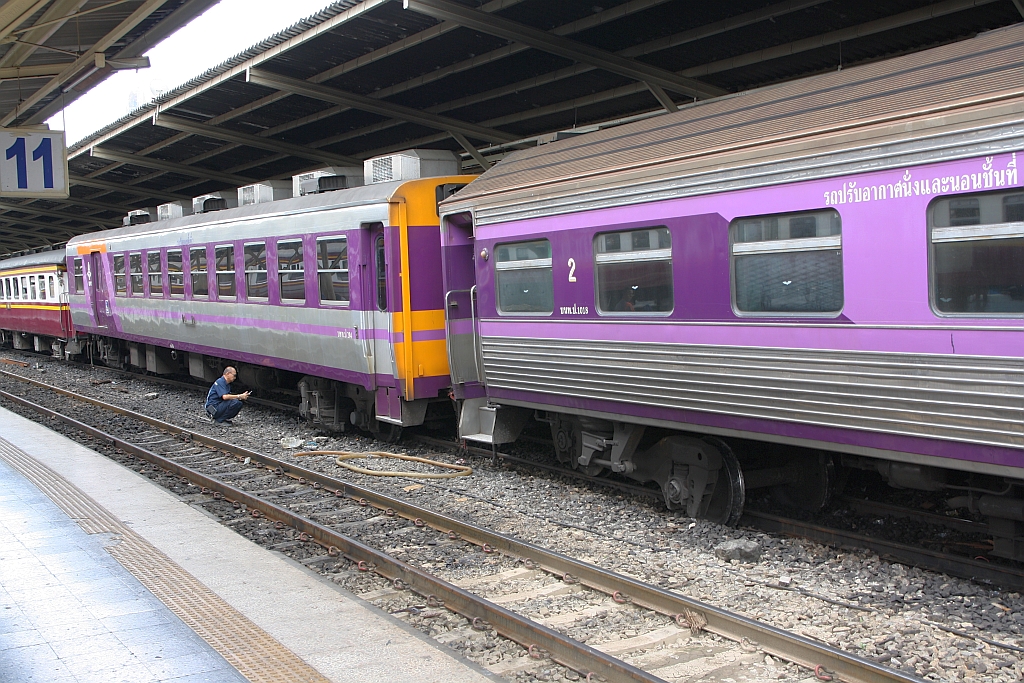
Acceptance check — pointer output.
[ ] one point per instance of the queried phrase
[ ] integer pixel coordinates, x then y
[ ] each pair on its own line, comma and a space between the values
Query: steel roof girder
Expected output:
59, 229
125, 189
565, 47
375, 106
85, 59
169, 166
217, 133
29, 209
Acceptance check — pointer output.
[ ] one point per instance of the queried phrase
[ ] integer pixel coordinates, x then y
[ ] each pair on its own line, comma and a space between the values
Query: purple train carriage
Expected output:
304, 295
834, 264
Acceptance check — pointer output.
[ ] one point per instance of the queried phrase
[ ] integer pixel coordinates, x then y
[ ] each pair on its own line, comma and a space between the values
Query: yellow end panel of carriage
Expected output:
415, 203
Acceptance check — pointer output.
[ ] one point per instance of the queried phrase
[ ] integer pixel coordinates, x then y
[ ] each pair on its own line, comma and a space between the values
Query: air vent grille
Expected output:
383, 171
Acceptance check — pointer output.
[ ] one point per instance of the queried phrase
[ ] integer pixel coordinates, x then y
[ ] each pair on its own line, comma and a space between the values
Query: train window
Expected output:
290, 273
382, 273
42, 287
524, 277
135, 271
175, 273
156, 277
53, 292
788, 264
225, 271
120, 283
33, 295
256, 270
634, 271
79, 277
197, 268
332, 269
17, 288
3, 297
976, 248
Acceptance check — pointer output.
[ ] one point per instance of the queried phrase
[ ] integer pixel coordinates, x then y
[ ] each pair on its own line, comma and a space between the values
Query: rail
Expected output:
792, 647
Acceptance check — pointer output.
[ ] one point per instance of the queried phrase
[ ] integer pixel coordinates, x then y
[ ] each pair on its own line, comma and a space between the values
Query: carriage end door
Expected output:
460, 305
96, 282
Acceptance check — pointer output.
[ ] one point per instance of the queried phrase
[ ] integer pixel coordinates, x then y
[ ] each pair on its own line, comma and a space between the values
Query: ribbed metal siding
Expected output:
902, 88
969, 399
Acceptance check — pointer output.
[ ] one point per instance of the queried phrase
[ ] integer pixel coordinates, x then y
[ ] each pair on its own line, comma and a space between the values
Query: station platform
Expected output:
105, 576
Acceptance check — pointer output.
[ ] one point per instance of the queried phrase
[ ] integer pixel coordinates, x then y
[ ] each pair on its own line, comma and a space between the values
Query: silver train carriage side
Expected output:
304, 295
834, 264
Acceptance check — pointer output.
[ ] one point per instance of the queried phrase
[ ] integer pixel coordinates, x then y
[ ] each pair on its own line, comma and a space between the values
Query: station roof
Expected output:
481, 78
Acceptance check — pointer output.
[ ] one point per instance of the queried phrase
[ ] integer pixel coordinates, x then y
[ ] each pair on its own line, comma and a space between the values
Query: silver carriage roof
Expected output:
965, 98
356, 196
55, 257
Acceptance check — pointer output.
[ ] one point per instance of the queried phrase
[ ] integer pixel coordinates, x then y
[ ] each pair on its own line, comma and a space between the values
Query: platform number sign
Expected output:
33, 163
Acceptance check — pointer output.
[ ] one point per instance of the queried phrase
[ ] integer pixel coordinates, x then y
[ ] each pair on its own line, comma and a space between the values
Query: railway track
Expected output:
343, 523
1003, 576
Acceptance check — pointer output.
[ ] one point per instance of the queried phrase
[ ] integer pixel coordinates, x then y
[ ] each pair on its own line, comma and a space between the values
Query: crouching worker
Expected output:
221, 405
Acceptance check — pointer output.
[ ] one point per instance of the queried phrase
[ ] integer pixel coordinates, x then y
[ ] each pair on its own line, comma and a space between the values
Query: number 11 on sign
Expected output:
28, 167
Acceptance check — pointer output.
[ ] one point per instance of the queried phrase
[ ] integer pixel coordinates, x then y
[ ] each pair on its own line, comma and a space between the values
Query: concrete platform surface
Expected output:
262, 594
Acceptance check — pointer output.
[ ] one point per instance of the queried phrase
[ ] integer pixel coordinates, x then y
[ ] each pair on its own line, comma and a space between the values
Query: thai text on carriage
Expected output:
987, 178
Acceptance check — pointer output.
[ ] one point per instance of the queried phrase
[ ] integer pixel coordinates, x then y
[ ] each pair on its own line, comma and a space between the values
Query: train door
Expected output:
460, 307
383, 349
97, 285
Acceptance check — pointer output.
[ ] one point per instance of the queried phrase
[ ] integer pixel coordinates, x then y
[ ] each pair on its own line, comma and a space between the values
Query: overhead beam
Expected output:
662, 97
10, 73
1019, 4
55, 16
14, 13
473, 151
564, 47
86, 60
169, 166
218, 133
126, 189
375, 106
26, 208
835, 37
65, 230
682, 38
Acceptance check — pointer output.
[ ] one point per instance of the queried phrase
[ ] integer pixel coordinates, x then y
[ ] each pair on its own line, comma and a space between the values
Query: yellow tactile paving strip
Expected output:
251, 650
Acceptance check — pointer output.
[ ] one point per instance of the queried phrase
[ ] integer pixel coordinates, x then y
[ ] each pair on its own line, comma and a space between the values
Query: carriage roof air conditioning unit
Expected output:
337, 178
166, 212
140, 216
215, 201
262, 192
411, 164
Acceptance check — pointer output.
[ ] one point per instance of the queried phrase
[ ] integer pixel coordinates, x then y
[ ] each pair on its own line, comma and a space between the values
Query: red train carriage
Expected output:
34, 314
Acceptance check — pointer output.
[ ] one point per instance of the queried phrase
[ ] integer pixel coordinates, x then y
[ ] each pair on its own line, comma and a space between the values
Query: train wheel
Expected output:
387, 432
730, 494
567, 437
817, 483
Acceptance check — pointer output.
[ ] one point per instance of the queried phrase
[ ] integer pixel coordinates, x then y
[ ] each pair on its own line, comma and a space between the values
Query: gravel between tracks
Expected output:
850, 599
